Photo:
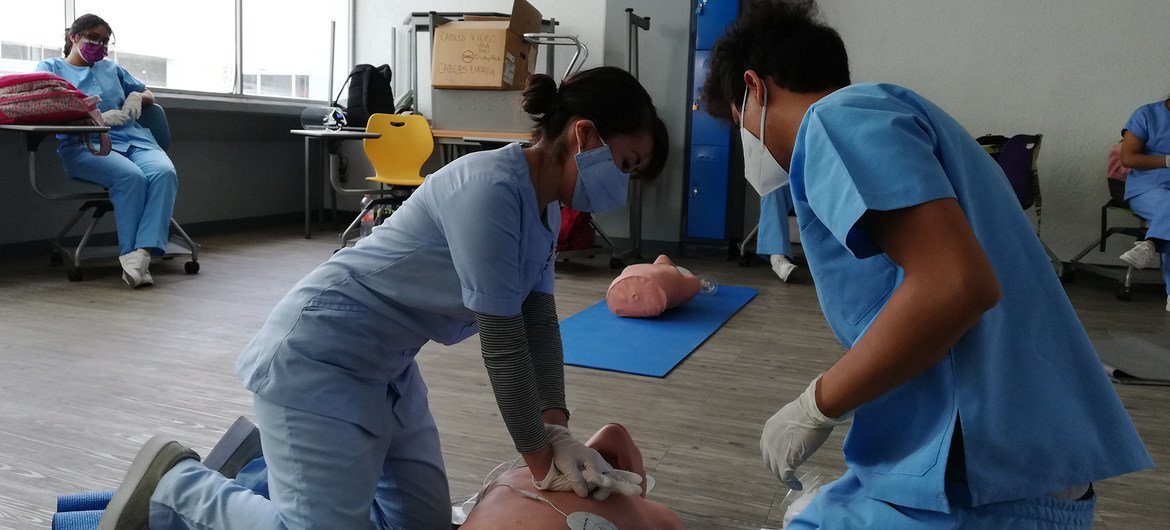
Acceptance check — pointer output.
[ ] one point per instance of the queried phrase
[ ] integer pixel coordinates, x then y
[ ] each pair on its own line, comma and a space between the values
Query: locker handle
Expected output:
706, 158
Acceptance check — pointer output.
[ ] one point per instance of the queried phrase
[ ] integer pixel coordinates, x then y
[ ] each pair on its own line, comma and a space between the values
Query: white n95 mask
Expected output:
760, 168
601, 185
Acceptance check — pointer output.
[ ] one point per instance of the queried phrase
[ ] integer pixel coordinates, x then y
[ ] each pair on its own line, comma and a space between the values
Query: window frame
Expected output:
237, 94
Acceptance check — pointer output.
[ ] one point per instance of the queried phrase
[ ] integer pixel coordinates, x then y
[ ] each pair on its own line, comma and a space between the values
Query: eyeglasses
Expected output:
95, 39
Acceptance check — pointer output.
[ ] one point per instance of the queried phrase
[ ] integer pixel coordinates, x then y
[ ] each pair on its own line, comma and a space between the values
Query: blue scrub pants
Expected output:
1154, 206
321, 473
142, 187
844, 503
773, 238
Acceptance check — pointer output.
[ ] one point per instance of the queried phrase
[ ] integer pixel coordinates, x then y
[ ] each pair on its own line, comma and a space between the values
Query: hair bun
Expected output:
540, 96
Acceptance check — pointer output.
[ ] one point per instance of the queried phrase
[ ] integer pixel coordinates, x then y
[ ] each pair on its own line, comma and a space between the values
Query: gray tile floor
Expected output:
89, 371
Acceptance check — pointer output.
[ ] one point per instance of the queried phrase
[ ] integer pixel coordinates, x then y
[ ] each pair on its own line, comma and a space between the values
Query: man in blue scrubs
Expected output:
1145, 149
976, 397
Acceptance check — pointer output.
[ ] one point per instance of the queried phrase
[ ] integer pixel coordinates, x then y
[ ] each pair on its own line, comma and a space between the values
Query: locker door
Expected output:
705, 129
711, 18
707, 192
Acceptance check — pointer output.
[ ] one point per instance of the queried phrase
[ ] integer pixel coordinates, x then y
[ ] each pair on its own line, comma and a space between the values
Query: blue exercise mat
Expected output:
80, 502
597, 338
82, 520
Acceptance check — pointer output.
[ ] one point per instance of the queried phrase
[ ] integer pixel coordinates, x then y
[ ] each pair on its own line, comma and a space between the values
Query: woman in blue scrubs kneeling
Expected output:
346, 431
138, 174
976, 398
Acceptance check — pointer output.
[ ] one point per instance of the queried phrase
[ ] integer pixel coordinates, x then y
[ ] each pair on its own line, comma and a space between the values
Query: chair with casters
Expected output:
1017, 157
1129, 276
397, 157
97, 204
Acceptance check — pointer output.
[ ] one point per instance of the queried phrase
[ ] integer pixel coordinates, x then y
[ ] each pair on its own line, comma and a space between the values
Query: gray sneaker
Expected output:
129, 509
1141, 256
239, 445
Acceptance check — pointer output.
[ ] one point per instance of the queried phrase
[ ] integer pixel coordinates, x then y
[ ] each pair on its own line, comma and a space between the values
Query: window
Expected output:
192, 45
286, 42
30, 32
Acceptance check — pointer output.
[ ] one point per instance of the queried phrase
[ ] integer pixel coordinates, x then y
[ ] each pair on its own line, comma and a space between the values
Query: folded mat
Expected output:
1135, 358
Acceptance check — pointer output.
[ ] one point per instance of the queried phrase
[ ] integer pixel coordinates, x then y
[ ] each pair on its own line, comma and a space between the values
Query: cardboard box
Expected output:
487, 53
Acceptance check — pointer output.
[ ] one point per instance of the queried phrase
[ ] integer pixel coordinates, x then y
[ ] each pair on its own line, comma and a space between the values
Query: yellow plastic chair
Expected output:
397, 156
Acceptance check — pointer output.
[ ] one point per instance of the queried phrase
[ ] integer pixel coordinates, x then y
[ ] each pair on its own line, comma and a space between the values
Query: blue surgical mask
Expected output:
601, 185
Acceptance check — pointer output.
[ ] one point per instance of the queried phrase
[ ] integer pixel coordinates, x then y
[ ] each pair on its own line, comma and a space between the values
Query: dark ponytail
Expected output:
84, 22
609, 97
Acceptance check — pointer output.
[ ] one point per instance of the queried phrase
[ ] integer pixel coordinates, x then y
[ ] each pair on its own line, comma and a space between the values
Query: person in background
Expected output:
138, 174
1145, 150
976, 398
773, 239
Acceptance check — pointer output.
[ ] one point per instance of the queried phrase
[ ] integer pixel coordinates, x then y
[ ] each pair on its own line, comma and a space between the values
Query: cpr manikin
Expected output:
648, 289
509, 500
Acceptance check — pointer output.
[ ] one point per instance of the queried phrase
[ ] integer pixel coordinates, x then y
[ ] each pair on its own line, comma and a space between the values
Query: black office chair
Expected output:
1129, 276
98, 204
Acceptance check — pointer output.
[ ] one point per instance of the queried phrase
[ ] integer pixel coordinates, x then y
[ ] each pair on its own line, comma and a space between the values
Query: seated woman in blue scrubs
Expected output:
346, 431
138, 174
976, 398
1145, 149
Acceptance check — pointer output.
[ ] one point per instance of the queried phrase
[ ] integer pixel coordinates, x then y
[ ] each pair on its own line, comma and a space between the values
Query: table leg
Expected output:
308, 178
326, 159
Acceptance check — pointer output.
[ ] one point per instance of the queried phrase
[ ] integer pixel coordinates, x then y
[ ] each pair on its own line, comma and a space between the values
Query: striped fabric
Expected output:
548, 356
504, 345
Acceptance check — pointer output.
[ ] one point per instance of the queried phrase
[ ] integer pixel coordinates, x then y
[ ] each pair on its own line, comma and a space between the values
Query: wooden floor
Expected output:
89, 371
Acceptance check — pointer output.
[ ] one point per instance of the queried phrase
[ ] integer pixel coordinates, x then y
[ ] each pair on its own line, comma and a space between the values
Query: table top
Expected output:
56, 128
326, 133
493, 136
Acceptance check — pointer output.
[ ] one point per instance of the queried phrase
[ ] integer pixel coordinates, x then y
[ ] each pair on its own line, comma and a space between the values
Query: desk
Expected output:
34, 135
329, 141
453, 143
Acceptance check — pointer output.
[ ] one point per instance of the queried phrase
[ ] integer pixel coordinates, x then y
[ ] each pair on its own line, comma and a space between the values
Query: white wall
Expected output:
663, 57
1072, 70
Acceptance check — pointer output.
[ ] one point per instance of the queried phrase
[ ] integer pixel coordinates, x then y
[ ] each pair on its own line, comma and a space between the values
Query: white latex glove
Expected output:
133, 105
581, 469
794, 433
115, 117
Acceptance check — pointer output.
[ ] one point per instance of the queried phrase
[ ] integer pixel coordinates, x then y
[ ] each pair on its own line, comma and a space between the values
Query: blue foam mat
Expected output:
597, 338
80, 502
82, 520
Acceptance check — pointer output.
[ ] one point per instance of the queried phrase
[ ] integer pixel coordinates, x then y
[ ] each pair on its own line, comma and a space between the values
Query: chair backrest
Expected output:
155, 118
405, 145
1018, 160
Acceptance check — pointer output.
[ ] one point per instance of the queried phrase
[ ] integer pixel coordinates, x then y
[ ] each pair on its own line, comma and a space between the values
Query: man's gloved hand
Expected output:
794, 433
581, 469
133, 105
114, 117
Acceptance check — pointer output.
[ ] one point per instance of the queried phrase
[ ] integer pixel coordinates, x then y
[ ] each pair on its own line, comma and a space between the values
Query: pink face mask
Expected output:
91, 52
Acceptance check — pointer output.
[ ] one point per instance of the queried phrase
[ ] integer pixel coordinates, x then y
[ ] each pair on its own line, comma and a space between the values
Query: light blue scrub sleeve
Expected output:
862, 156
481, 221
129, 82
1139, 124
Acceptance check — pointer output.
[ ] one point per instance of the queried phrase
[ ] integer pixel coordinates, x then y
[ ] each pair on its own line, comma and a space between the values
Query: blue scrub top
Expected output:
1038, 413
471, 238
113, 83
1150, 123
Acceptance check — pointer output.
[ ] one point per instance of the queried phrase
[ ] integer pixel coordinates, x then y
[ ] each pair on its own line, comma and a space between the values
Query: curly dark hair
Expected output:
779, 39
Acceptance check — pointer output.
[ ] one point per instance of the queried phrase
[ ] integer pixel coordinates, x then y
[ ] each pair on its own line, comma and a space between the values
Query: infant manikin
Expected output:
647, 289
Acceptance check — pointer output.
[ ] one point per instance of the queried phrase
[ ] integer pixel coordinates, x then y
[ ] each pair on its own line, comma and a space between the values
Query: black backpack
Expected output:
370, 92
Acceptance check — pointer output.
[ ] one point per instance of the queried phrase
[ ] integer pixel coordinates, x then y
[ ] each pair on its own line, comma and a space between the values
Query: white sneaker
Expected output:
135, 268
782, 267
1141, 256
